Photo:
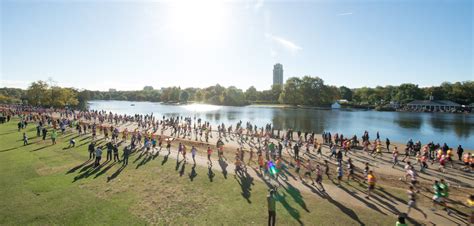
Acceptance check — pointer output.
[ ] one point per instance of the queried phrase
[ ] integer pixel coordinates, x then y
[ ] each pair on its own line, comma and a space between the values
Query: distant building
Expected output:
433, 105
112, 90
393, 104
278, 74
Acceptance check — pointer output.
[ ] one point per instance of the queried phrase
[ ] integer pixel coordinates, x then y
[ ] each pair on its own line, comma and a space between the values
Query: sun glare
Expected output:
201, 107
193, 20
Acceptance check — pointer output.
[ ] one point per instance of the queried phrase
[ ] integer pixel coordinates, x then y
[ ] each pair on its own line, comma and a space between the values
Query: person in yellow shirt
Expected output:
371, 180
449, 157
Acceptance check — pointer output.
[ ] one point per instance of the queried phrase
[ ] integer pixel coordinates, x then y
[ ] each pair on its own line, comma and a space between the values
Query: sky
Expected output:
127, 45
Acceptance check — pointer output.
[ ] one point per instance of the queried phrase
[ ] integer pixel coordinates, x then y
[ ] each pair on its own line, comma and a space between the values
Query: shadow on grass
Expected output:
116, 173
296, 195
223, 166
89, 171
144, 161
193, 173
10, 149
178, 163
281, 198
183, 167
245, 181
368, 204
345, 210
105, 170
41, 148
165, 158
292, 211
72, 170
210, 173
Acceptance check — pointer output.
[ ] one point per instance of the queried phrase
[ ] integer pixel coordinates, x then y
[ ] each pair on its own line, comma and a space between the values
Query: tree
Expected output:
251, 94
275, 92
37, 95
83, 97
184, 96
148, 88
234, 96
408, 92
346, 93
291, 94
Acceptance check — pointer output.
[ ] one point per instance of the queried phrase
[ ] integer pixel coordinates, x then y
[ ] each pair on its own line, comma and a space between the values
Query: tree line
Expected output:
307, 91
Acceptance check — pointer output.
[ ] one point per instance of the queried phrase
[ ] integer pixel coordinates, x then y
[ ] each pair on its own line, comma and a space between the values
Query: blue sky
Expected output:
130, 44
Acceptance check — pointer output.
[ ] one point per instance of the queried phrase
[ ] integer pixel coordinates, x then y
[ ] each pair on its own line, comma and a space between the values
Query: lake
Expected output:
453, 129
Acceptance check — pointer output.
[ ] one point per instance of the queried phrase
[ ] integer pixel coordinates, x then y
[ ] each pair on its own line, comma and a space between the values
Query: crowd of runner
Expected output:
272, 152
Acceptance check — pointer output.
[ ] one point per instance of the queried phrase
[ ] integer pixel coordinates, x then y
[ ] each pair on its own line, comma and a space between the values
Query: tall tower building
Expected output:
278, 74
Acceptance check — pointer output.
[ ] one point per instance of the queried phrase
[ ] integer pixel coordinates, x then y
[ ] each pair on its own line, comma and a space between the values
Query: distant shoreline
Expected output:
286, 106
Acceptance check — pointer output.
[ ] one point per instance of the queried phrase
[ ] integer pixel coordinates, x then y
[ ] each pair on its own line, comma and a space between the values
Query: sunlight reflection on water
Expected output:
201, 107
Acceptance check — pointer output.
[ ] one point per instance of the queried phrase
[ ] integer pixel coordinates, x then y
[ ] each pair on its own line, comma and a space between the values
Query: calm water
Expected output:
453, 129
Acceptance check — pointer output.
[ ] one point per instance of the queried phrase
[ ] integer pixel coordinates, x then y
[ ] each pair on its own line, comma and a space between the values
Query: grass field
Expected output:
44, 184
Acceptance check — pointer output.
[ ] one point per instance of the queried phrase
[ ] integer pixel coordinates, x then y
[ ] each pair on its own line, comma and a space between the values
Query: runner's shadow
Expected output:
72, 170
10, 149
368, 204
181, 171
292, 211
210, 173
223, 166
144, 161
296, 195
104, 170
245, 181
116, 173
344, 209
193, 173
165, 159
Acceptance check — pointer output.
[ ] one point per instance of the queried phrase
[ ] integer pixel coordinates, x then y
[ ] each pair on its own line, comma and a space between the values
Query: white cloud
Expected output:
258, 4
14, 84
345, 14
273, 53
288, 45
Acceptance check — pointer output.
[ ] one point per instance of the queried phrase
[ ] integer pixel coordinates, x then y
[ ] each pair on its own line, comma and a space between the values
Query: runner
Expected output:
366, 171
116, 154
371, 180
72, 143
326, 169
350, 169
395, 156
183, 151
411, 199
297, 168
25, 139
438, 197
193, 154
309, 169
340, 173
54, 135
319, 177
209, 152
251, 153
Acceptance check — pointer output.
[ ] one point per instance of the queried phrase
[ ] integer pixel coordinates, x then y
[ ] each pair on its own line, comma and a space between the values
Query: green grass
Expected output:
42, 184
